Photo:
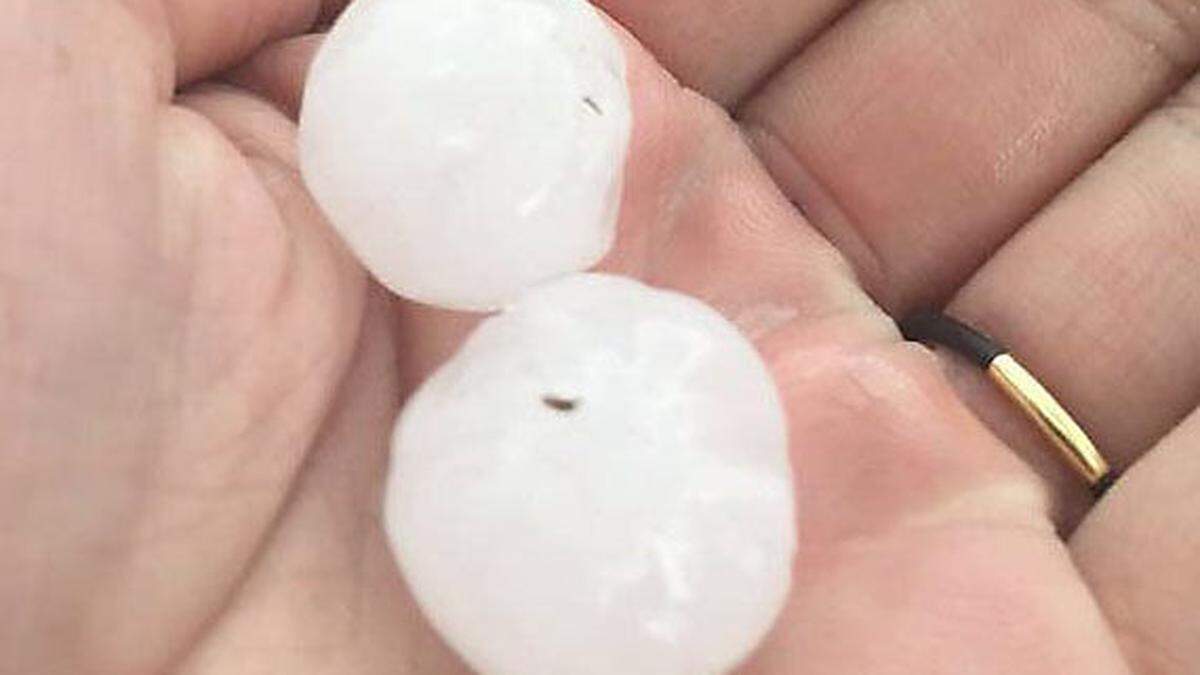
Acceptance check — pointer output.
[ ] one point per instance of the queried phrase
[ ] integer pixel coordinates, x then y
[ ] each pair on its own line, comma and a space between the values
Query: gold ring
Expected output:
1055, 423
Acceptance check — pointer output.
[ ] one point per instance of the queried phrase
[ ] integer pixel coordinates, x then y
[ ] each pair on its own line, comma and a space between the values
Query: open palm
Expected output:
198, 380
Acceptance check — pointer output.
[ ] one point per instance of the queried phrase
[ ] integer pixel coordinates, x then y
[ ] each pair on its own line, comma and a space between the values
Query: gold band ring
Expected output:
1055, 423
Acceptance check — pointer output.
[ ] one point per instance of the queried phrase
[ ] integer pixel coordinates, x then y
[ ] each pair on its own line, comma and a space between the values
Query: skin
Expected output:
199, 381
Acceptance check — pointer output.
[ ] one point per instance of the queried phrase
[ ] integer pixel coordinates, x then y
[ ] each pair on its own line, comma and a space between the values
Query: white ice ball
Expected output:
597, 483
468, 149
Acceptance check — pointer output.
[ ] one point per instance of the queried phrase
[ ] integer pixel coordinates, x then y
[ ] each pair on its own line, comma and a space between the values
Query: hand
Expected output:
199, 381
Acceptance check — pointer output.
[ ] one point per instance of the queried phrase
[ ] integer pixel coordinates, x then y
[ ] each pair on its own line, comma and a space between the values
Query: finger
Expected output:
325, 593
356, 614
1139, 553
198, 38
212, 35
156, 399
919, 134
724, 49
924, 547
1098, 296
700, 215
278, 72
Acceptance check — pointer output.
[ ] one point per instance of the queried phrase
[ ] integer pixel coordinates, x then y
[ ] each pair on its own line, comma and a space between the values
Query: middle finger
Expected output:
920, 134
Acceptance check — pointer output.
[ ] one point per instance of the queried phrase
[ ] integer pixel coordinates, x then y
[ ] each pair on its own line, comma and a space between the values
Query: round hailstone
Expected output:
598, 482
468, 149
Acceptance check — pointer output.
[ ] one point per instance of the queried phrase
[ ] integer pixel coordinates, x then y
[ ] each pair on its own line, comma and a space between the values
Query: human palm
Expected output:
199, 381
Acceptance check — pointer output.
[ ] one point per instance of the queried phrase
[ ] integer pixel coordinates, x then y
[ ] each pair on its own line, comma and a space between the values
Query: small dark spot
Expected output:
591, 103
63, 61
560, 403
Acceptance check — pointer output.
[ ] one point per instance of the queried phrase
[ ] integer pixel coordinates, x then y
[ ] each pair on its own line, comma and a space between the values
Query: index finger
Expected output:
724, 49
203, 37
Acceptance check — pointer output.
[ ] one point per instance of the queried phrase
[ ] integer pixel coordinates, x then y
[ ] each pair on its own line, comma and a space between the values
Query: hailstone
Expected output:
597, 483
468, 149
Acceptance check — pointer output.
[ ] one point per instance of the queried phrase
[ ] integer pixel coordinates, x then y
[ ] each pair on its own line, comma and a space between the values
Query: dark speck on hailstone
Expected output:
560, 403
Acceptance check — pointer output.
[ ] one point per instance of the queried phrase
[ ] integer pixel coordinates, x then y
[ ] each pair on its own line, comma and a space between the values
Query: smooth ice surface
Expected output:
597, 483
467, 149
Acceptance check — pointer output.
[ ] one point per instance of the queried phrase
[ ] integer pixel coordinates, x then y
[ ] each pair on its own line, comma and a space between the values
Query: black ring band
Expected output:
934, 328
1020, 386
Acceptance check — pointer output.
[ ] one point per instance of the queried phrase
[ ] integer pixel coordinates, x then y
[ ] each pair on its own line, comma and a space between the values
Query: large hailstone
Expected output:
468, 149
597, 483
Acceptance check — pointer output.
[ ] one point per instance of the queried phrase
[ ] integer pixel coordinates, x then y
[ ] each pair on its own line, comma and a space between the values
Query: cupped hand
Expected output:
199, 381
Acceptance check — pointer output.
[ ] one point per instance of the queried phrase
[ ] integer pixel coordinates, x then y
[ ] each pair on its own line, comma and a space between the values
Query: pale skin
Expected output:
199, 380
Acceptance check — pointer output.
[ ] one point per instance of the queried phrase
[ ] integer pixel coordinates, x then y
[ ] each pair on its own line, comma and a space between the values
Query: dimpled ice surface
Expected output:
468, 149
597, 483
